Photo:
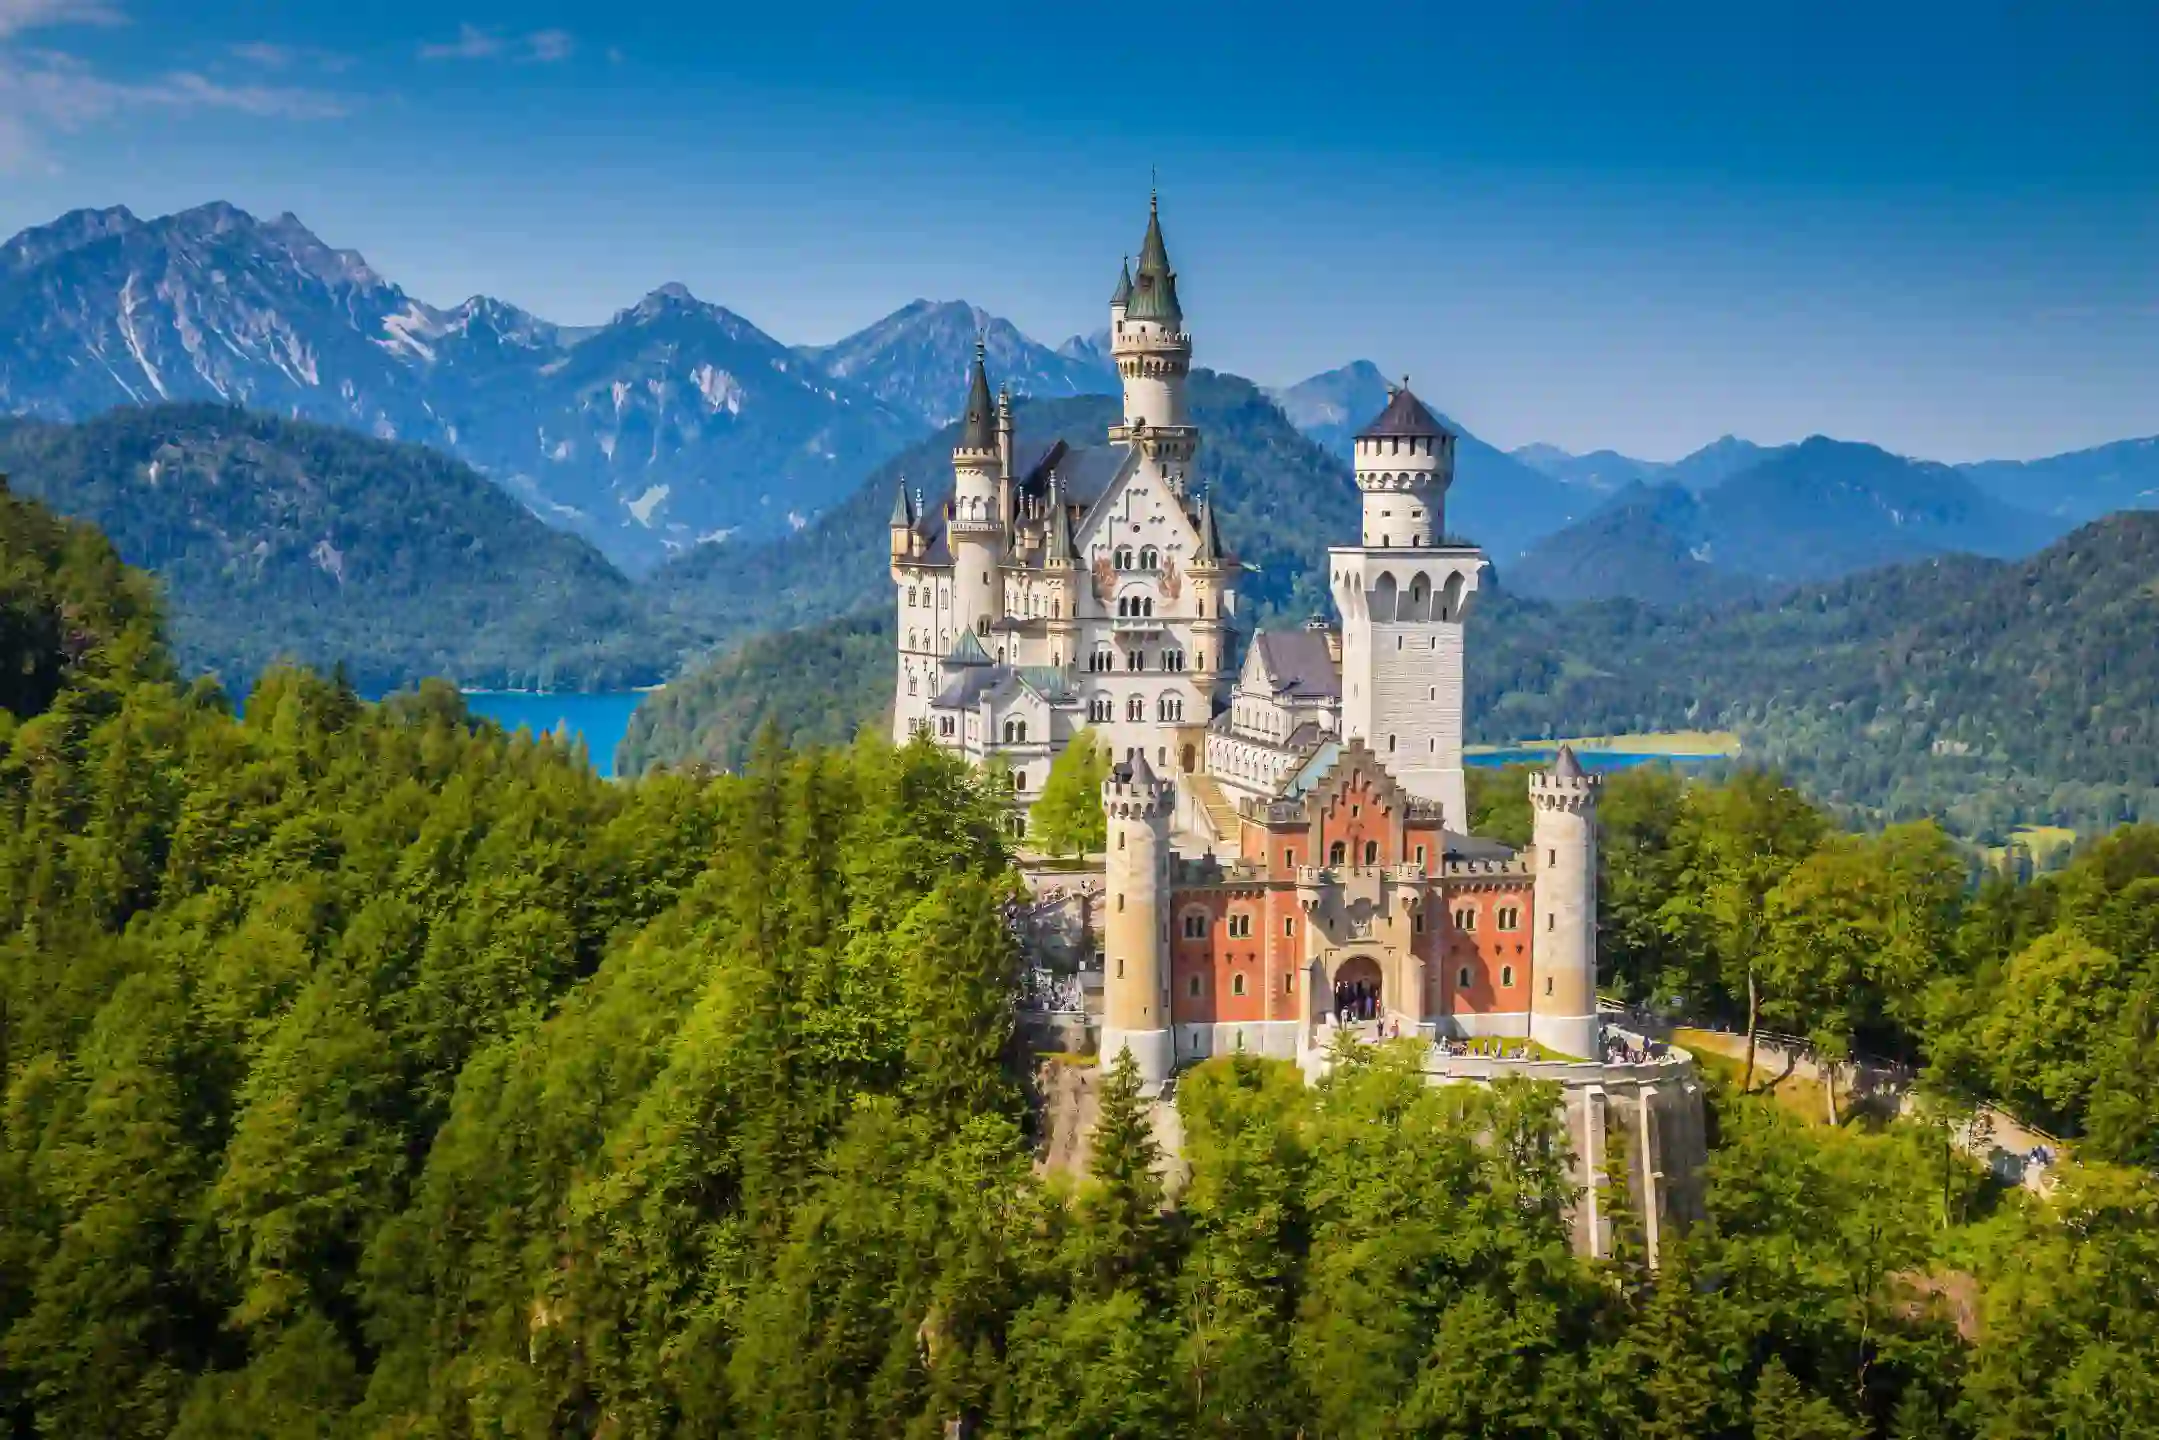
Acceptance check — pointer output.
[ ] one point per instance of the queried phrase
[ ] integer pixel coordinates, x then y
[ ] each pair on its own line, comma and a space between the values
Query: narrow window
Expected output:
1236, 984
1506, 977
1547, 984
1371, 852
1191, 987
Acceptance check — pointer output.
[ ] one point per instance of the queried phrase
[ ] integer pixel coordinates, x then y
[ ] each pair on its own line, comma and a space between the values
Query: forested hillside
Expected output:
371, 1073
282, 539
1986, 692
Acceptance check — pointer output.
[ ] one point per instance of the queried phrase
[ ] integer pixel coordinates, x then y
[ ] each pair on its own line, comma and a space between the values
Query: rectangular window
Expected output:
1195, 926
1289, 928
1191, 986
1240, 926
1420, 854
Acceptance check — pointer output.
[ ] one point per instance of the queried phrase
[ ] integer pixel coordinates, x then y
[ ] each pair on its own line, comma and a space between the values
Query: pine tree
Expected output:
1121, 1207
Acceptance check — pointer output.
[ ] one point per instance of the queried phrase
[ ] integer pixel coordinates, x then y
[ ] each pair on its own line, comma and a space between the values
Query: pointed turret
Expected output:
966, 651
1210, 535
1122, 295
1154, 290
903, 510
1565, 766
1058, 549
978, 430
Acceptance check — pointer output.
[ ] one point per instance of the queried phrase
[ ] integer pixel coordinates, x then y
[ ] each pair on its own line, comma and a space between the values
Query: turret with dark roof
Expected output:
1122, 295
978, 429
1210, 536
903, 510
1565, 766
1154, 290
1404, 417
1058, 548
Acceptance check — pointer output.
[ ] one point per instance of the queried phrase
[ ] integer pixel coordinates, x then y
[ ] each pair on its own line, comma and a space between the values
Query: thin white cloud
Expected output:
17, 16
269, 55
545, 47
45, 92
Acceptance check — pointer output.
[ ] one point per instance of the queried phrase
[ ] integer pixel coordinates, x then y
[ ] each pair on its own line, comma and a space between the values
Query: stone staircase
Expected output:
1220, 812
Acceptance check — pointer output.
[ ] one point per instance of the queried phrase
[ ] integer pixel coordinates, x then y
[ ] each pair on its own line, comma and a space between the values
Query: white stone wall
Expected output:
1402, 638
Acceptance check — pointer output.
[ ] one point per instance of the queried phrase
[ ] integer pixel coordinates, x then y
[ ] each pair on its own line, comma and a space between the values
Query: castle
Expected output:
1288, 855
1288, 836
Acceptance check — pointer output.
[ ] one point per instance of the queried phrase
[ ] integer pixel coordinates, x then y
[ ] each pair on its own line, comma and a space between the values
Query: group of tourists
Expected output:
1355, 1000
1618, 1052
1491, 1048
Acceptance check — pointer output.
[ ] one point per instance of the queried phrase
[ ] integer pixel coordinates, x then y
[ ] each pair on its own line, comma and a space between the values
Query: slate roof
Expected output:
903, 508
979, 428
1565, 766
1210, 536
1405, 416
1154, 290
1123, 293
1475, 847
966, 651
1300, 662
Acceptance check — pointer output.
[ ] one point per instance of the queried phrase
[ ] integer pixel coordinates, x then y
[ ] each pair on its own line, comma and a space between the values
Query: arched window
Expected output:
1149, 557
1337, 853
1135, 660
1371, 852
911, 685
1195, 925
1465, 919
1236, 984
982, 625
1506, 977
1019, 778
1101, 708
1135, 708
1148, 605
1461, 978
1122, 560
1169, 707
944, 725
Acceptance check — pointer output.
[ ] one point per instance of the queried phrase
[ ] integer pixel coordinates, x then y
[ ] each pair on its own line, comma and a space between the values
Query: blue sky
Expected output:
1935, 227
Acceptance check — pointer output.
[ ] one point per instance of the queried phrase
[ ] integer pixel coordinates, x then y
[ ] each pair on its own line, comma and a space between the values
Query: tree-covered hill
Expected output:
278, 538
817, 685
1993, 692
369, 1072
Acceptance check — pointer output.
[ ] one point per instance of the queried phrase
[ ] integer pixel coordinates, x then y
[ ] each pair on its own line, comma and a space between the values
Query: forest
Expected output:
371, 1073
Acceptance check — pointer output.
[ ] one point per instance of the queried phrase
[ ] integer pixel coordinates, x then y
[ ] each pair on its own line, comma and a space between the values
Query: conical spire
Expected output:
1059, 545
903, 510
979, 430
1210, 537
1565, 766
1154, 289
1122, 295
1153, 254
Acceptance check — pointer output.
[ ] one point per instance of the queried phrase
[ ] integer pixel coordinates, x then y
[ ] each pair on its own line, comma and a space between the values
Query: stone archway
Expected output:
1358, 986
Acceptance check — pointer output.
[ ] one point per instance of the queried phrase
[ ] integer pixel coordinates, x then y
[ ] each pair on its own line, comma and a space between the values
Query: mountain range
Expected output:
676, 422
1812, 511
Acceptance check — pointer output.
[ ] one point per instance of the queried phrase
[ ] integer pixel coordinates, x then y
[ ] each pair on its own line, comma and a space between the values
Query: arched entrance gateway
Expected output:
1357, 992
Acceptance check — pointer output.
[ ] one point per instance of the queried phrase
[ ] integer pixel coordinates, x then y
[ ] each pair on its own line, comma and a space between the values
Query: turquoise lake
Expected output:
1591, 759
599, 719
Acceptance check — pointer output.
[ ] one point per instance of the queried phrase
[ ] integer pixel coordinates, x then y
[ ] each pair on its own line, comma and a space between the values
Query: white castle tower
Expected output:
1154, 357
977, 527
1402, 593
1135, 931
1563, 952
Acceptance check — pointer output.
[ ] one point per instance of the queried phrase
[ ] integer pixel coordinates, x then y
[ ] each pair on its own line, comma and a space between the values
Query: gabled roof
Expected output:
1299, 663
1405, 416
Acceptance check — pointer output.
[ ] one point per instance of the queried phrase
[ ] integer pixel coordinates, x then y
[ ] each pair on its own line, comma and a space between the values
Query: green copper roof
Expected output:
966, 651
903, 510
1123, 293
979, 430
1154, 289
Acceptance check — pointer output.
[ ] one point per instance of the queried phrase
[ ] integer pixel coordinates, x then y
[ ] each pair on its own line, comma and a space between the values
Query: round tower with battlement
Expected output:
1405, 462
1135, 926
1563, 951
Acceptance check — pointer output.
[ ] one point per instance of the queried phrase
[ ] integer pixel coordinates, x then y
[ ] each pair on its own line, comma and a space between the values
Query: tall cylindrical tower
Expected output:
977, 525
1135, 930
1563, 951
1154, 357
